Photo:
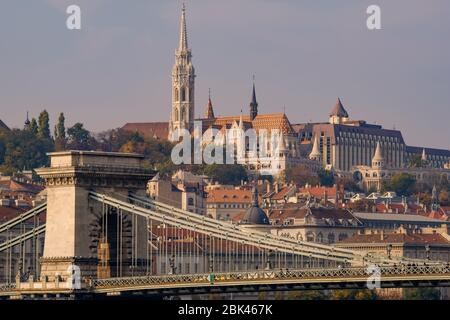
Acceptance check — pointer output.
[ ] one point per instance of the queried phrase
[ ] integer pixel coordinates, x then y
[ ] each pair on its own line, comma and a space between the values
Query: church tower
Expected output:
253, 104
183, 84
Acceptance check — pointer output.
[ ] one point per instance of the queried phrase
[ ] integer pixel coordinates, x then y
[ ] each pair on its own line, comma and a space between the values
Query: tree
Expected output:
33, 126
353, 294
326, 178
79, 138
301, 175
349, 184
44, 126
403, 184
24, 150
307, 295
60, 129
421, 294
417, 162
226, 173
60, 133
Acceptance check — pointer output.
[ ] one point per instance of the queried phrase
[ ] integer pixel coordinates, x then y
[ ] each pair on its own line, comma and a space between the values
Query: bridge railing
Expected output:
323, 274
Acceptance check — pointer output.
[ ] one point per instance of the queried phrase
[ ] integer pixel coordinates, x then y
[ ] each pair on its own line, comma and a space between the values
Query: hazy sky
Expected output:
304, 55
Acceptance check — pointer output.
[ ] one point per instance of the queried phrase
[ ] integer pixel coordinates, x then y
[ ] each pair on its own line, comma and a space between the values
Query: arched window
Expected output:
176, 94
342, 236
320, 237
331, 238
183, 94
310, 236
175, 116
191, 201
183, 114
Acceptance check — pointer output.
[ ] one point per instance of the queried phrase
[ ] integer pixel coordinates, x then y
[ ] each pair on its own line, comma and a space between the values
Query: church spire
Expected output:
183, 31
253, 103
27, 121
209, 109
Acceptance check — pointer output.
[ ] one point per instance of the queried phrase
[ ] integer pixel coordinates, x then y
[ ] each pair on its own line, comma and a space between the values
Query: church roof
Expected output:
262, 121
339, 110
155, 130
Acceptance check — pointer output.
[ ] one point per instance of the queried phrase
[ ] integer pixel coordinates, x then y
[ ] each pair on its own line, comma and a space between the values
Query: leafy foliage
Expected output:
226, 173
402, 183
326, 178
21, 149
421, 294
301, 175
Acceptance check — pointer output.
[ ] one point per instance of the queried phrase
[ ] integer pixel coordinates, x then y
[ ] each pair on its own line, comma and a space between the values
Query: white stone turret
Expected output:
315, 153
378, 159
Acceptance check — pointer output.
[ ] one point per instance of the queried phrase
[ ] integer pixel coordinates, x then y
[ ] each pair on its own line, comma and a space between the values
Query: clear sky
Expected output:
304, 53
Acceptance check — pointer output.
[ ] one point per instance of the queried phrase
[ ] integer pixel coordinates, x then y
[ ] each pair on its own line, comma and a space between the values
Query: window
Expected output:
331, 238
190, 201
183, 94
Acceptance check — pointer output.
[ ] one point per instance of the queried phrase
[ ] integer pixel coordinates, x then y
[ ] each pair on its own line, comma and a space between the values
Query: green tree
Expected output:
326, 178
402, 183
24, 150
44, 126
33, 126
421, 294
226, 173
79, 138
60, 133
60, 128
417, 162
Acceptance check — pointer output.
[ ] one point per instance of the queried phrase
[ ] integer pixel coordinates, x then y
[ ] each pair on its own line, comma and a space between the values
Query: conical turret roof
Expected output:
339, 110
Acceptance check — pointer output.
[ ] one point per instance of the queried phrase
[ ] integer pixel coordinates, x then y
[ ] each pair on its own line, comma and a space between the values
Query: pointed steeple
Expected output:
378, 159
27, 121
254, 196
209, 108
315, 153
183, 31
253, 103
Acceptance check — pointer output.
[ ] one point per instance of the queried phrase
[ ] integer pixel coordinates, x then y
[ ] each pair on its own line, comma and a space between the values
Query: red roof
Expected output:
156, 130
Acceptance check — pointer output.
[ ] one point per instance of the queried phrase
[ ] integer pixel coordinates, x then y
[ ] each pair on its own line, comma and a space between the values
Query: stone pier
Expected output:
74, 223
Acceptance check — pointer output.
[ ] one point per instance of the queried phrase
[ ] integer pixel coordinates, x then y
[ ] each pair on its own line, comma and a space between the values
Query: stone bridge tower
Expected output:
74, 223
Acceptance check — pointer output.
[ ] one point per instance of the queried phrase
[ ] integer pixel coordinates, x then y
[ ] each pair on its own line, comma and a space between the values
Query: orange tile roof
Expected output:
229, 196
318, 192
262, 121
283, 192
